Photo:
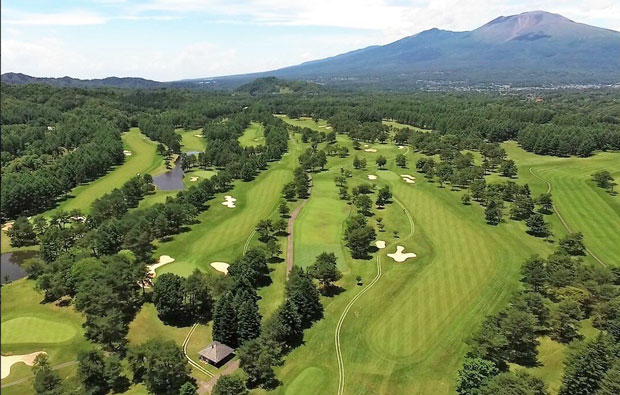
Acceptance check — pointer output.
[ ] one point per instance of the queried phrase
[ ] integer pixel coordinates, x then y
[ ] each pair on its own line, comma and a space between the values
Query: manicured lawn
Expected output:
29, 326
407, 333
143, 159
191, 141
222, 232
585, 207
254, 135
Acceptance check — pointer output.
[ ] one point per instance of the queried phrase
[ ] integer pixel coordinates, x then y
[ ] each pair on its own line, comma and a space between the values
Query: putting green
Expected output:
35, 330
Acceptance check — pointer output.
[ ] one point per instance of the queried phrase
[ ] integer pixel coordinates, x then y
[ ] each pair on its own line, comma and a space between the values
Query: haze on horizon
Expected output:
169, 40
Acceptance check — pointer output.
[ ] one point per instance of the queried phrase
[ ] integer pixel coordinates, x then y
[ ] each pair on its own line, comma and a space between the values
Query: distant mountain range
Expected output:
530, 49
533, 48
113, 82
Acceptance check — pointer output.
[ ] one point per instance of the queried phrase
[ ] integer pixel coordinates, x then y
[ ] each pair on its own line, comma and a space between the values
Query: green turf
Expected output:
253, 136
407, 334
35, 330
305, 122
144, 159
585, 207
222, 232
190, 140
29, 325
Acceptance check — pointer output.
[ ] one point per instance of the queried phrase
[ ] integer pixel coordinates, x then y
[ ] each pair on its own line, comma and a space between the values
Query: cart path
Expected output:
290, 255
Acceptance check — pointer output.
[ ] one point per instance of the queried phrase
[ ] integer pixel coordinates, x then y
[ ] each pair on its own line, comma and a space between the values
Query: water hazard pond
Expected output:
172, 180
11, 269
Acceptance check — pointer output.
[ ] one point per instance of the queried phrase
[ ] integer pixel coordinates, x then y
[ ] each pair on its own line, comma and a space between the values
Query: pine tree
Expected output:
248, 321
303, 293
225, 321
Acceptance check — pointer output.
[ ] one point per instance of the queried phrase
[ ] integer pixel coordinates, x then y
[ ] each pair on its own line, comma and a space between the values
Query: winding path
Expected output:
190, 360
555, 210
341, 372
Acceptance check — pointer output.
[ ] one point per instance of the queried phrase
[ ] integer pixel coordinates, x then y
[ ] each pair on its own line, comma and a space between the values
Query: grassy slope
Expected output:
254, 135
407, 334
29, 326
585, 207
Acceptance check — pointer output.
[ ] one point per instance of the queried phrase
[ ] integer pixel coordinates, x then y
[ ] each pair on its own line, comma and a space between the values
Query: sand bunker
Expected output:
409, 179
372, 177
328, 127
193, 179
220, 266
7, 226
8, 361
163, 260
127, 153
230, 201
380, 244
199, 135
321, 126
366, 145
399, 256
401, 147
370, 150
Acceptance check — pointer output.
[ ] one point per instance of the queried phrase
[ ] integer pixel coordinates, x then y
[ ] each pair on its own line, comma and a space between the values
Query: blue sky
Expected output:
175, 39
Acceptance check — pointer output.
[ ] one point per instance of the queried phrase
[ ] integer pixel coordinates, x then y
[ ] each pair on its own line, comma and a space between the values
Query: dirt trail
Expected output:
207, 386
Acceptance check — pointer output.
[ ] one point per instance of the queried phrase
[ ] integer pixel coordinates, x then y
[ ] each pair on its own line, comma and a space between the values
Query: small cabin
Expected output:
216, 354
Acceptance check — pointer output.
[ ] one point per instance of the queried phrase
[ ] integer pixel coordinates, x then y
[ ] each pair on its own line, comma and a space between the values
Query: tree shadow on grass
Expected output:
332, 290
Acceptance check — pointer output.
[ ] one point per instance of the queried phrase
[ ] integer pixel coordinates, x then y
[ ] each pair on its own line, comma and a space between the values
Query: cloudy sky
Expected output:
175, 39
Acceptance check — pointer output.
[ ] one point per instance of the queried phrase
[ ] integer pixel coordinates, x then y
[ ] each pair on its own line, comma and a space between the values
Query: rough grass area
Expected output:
191, 141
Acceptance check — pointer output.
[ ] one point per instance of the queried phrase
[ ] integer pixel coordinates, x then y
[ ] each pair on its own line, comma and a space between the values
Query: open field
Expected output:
254, 135
29, 326
143, 160
583, 206
406, 335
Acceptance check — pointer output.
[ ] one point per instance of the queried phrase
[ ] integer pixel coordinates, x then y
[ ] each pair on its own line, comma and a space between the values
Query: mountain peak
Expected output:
532, 26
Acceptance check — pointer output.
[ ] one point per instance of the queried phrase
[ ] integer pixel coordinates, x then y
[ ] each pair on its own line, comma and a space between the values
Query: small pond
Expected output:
11, 264
172, 180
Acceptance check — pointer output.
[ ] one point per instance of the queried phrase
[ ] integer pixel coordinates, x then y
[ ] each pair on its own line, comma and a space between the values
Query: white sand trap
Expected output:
163, 260
328, 127
366, 145
193, 179
8, 361
127, 153
370, 150
7, 226
407, 176
372, 177
399, 256
401, 147
409, 180
321, 126
199, 135
220, 266
380, 244
230, 201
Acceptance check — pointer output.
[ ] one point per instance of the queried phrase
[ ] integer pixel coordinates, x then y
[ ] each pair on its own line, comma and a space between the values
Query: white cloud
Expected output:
65, 18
